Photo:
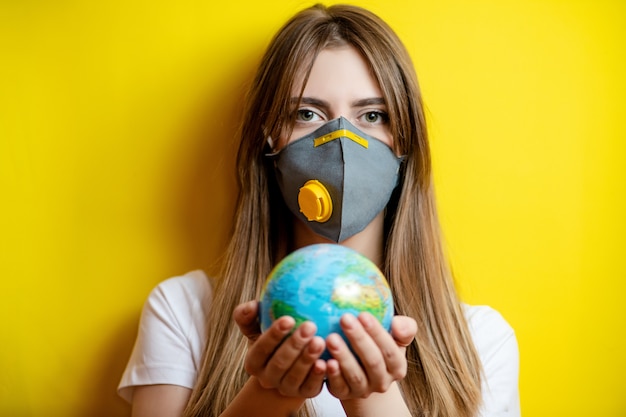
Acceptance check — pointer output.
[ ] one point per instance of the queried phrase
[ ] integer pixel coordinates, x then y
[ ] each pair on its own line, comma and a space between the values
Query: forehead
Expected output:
339, 70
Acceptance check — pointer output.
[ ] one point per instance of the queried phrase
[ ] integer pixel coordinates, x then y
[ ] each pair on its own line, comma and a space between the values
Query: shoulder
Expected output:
493, 337
496, 344
182, 302
171, 334
188, 295
488, 328
193, 287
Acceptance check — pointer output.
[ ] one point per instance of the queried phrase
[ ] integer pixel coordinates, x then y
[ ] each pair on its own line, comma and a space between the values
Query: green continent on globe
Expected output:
352, 294
280, 308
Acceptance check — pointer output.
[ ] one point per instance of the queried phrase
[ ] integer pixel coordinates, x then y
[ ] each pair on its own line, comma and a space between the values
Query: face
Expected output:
340, 84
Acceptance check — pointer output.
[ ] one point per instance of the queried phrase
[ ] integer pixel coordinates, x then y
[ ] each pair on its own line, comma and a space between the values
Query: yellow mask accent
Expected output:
341, 133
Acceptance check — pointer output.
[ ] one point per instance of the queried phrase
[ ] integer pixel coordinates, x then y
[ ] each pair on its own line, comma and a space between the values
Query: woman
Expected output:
338, 73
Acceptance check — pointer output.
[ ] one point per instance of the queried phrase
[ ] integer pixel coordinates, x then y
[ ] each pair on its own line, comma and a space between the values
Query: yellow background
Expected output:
116, 127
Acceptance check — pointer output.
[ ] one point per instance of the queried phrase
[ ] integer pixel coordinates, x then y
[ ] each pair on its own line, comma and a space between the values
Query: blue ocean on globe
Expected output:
321, 283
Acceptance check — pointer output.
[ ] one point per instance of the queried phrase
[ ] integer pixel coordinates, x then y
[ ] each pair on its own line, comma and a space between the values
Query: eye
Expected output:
375, 117
306, 115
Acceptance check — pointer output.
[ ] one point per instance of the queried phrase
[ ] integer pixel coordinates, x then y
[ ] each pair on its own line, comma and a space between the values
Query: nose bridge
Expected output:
339, 111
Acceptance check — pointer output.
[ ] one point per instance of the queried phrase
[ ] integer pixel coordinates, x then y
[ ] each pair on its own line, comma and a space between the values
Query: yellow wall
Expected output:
116, 120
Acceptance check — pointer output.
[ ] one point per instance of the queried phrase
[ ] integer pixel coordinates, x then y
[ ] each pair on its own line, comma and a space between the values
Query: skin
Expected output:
285, 371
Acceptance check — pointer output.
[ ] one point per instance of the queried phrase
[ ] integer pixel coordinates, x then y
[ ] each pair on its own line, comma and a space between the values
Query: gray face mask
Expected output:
336, 179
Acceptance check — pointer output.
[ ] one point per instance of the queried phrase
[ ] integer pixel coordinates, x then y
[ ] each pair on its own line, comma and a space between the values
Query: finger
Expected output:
246, 317
288, 353
386, 361
403, 330
303, 370
371, 345
337, 385
312, 385
261, 351
351, 370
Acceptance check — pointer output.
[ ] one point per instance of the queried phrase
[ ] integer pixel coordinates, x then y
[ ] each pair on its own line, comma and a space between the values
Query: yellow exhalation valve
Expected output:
315, 202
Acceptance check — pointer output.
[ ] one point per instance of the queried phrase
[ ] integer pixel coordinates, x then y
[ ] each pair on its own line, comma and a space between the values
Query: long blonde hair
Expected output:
443, 377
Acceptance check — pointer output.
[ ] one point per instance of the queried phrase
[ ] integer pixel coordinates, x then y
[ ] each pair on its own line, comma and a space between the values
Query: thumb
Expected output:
403, 330
246, 317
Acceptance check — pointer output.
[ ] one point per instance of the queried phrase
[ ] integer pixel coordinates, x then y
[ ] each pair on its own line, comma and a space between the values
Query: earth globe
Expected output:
322, 282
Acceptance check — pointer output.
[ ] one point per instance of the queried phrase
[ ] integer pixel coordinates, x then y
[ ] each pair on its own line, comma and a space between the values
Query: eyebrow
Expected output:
324, 104
368, 102
311, 100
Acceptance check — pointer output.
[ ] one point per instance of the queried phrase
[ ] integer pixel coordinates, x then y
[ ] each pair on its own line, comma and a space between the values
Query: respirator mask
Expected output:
336, 179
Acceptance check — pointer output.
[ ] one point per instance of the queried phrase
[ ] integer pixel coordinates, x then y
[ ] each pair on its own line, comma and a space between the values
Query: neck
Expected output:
368, 242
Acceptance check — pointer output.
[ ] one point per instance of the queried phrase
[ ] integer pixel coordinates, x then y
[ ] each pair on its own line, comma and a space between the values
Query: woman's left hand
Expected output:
382, 355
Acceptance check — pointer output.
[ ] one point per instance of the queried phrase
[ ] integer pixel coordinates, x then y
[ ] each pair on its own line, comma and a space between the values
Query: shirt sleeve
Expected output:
497, 347
171, 335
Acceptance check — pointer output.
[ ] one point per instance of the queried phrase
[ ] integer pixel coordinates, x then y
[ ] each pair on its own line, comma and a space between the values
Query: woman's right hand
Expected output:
292, 364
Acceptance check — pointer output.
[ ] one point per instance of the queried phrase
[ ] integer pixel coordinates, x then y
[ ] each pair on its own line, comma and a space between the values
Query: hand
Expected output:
287, 363
382, 355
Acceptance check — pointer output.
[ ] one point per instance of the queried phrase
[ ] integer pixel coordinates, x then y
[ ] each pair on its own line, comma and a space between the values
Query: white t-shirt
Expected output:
172, 332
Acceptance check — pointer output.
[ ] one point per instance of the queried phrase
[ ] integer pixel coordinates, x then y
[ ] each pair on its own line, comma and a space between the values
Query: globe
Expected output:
321, 283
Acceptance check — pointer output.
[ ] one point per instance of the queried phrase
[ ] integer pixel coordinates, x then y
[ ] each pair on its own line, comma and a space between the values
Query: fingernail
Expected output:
348, 320
366, 319
318, 370
308, 329
332, 341
285, 324
315, 349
